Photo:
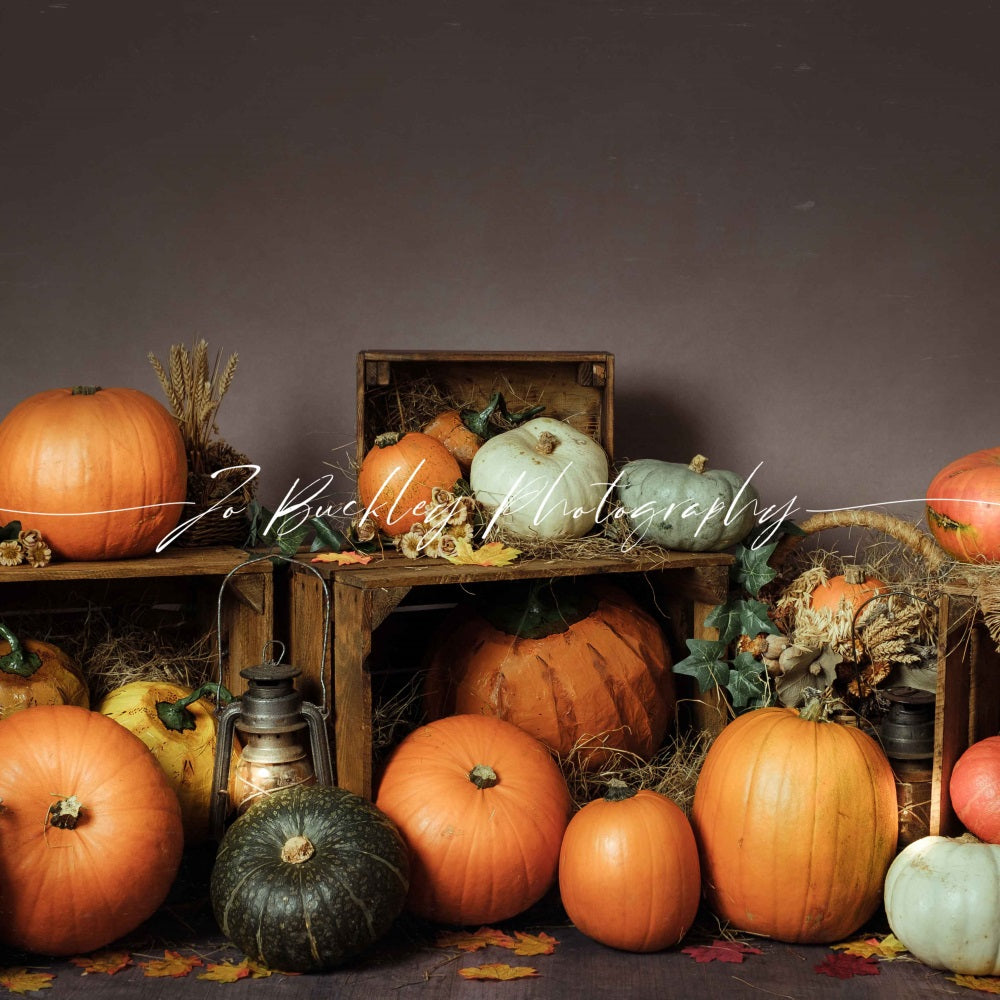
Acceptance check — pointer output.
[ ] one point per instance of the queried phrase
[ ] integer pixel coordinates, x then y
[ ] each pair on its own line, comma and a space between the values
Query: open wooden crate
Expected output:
577, 387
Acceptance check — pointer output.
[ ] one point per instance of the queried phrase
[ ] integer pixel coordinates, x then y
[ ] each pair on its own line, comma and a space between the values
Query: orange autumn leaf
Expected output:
984, 984
19, 980
258, 971
343, 558
474, 940
534, 944
172, 965
498, 971
886, 948
490, 554
107, 962
225, 972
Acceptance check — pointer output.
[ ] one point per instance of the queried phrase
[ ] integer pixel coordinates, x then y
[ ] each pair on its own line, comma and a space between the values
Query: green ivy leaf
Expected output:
10, 531
706, 663
740, 617
327, 537
751, 571
746, 681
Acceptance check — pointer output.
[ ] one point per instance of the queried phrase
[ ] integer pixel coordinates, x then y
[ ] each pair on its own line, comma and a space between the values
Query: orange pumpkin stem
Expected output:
483, 776
297, 849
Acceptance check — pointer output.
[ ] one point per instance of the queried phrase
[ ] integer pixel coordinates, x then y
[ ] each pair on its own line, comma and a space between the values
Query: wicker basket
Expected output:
217, 496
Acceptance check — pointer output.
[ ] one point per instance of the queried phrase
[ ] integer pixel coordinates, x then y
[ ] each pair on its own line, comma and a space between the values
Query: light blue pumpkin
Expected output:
688, 508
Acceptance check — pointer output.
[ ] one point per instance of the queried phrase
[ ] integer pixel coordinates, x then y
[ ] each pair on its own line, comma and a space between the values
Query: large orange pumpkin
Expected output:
963, 507
628, 870
796, 823
398, 476
33, 672
102, 473
482, 807
91, 831
579, 669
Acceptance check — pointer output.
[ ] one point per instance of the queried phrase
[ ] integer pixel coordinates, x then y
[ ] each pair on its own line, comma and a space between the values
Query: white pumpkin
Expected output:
543, 479
942, 900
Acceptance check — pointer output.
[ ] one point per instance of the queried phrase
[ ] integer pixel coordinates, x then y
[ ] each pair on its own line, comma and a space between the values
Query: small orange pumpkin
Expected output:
577, 669
628, 870
102, 472
398, 476
483, 808
796, 821
849, 589
91, 830
463, 431
33, 672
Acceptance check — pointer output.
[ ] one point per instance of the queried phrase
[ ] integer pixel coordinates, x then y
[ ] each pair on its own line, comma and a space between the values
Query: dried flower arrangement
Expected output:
23, 545
194, 387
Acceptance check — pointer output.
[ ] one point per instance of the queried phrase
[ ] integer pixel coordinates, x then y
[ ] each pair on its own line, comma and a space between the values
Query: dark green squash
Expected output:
308, 878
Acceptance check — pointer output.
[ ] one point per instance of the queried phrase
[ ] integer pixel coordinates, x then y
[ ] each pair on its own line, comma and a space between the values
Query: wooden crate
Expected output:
684, 586
176, 577
967, 702
577, 387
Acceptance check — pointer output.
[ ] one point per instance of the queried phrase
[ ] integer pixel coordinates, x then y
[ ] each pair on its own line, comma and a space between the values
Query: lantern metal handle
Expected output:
324, 708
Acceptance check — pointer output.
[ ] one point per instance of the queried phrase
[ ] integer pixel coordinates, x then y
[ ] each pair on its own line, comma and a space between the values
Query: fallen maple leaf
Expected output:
258, 971
533, 944
490, 554
343, 558
19, 980
107, 962
225, 972
498, 971
474, 940
848, 966
887, 948
172, 965
721, 951
984, 984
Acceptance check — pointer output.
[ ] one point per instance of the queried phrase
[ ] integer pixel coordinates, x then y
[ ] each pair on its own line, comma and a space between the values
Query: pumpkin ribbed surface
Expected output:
604, 681
102, 473
58, 680
483, 848
308, 878
66, 891
963, 507
796, 822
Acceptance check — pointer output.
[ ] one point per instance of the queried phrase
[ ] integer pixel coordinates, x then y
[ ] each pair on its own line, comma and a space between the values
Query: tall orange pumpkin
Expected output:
796, 823
628, 870
963, 507
91, 831
398, 476
482, 807
102, 473
576, 669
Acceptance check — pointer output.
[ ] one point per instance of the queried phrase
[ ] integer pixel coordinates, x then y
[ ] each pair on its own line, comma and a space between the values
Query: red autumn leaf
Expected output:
721, 951
172, 965
847, 966
498, 971
21, 981
474, 940
106, 962
533, 944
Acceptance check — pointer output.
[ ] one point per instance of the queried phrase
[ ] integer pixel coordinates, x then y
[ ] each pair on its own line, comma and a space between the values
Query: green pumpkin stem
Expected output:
698, 464
388, 439
478, 421
18, 661
618, 791
483, 776
518, 418
813, 711
537, 608
85, 390
176, 715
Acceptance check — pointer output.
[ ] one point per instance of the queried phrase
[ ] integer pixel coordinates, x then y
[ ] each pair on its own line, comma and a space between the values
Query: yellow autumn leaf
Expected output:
343, 558
490, 554
534, 944
225, 972
984, 984
106, 962
886, 948
19, 980
498, 971
474, 940
258, 971
173, 965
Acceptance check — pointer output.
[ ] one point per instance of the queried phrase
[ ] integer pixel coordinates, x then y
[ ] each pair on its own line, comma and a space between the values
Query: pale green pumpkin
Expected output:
688, 508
